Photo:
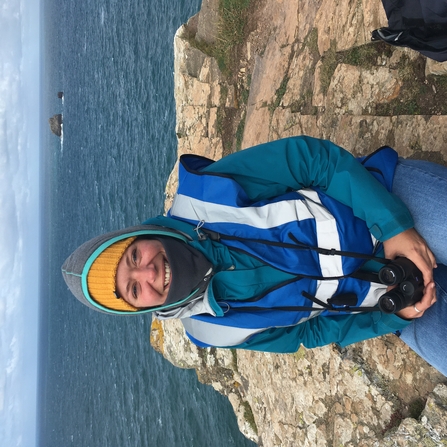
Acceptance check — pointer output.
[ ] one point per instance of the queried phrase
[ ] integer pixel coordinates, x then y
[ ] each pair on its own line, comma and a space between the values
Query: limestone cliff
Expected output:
307, 67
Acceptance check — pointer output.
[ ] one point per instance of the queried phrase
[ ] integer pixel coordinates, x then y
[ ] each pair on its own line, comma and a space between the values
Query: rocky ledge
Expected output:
308, 67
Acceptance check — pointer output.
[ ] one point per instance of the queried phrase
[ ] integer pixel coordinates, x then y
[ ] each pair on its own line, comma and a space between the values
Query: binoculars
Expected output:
409, 285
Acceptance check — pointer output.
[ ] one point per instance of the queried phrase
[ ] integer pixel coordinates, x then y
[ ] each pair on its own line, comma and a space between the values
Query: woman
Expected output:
278, 246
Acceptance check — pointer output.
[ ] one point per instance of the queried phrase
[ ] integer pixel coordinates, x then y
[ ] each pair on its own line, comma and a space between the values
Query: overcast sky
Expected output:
19, 222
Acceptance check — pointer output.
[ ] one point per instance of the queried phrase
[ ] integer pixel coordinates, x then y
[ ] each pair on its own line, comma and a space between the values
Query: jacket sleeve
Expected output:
320, 331
271, 169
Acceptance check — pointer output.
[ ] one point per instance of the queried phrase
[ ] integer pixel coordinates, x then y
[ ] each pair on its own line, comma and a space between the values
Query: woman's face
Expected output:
143, 275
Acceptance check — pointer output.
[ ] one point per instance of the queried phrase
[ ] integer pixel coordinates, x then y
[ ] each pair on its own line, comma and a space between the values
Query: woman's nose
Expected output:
147, 273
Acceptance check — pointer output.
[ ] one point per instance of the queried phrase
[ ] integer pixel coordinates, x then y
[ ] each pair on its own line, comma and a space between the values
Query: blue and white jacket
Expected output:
277, 221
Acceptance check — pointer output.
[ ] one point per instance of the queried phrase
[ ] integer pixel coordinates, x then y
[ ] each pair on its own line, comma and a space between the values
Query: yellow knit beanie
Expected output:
101, 278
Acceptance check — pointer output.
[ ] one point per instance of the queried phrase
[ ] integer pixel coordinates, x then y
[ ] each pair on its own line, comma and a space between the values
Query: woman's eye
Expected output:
134, 255
134, 291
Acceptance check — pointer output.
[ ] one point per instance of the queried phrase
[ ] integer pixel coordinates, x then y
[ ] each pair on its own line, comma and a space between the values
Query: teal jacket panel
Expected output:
320, 331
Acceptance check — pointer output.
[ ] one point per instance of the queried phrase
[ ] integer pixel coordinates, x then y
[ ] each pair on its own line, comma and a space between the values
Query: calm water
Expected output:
101, 384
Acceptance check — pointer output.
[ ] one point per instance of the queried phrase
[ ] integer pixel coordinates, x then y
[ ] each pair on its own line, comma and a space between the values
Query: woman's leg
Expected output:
422, 186
427, 335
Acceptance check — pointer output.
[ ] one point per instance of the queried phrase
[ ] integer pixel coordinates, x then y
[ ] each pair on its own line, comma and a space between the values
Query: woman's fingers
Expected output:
417, 310
411, 245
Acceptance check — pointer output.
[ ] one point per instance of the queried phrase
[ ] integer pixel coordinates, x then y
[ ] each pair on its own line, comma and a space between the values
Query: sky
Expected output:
19, 222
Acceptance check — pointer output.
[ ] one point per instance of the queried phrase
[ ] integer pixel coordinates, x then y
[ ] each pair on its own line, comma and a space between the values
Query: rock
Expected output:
378, 85
347, 24
435, 68
56, 124
307, 67
429, 430
208, 22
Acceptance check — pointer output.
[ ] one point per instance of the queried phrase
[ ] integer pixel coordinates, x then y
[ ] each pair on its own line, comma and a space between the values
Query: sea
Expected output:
101, 384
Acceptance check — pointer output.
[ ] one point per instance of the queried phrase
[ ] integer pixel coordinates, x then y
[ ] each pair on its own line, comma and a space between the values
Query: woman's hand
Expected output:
411, 245
418, 309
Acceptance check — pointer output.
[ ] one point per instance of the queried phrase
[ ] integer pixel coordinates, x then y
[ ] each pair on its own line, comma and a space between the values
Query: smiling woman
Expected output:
279, 267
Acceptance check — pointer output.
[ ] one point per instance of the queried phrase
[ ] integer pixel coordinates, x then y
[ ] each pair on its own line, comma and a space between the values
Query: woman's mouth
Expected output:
167, 275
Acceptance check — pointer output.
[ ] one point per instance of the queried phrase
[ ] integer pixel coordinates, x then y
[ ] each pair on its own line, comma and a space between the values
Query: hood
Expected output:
76, 267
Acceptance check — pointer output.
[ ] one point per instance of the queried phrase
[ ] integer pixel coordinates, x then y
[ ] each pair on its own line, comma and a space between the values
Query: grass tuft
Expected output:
249, 417
233, 18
